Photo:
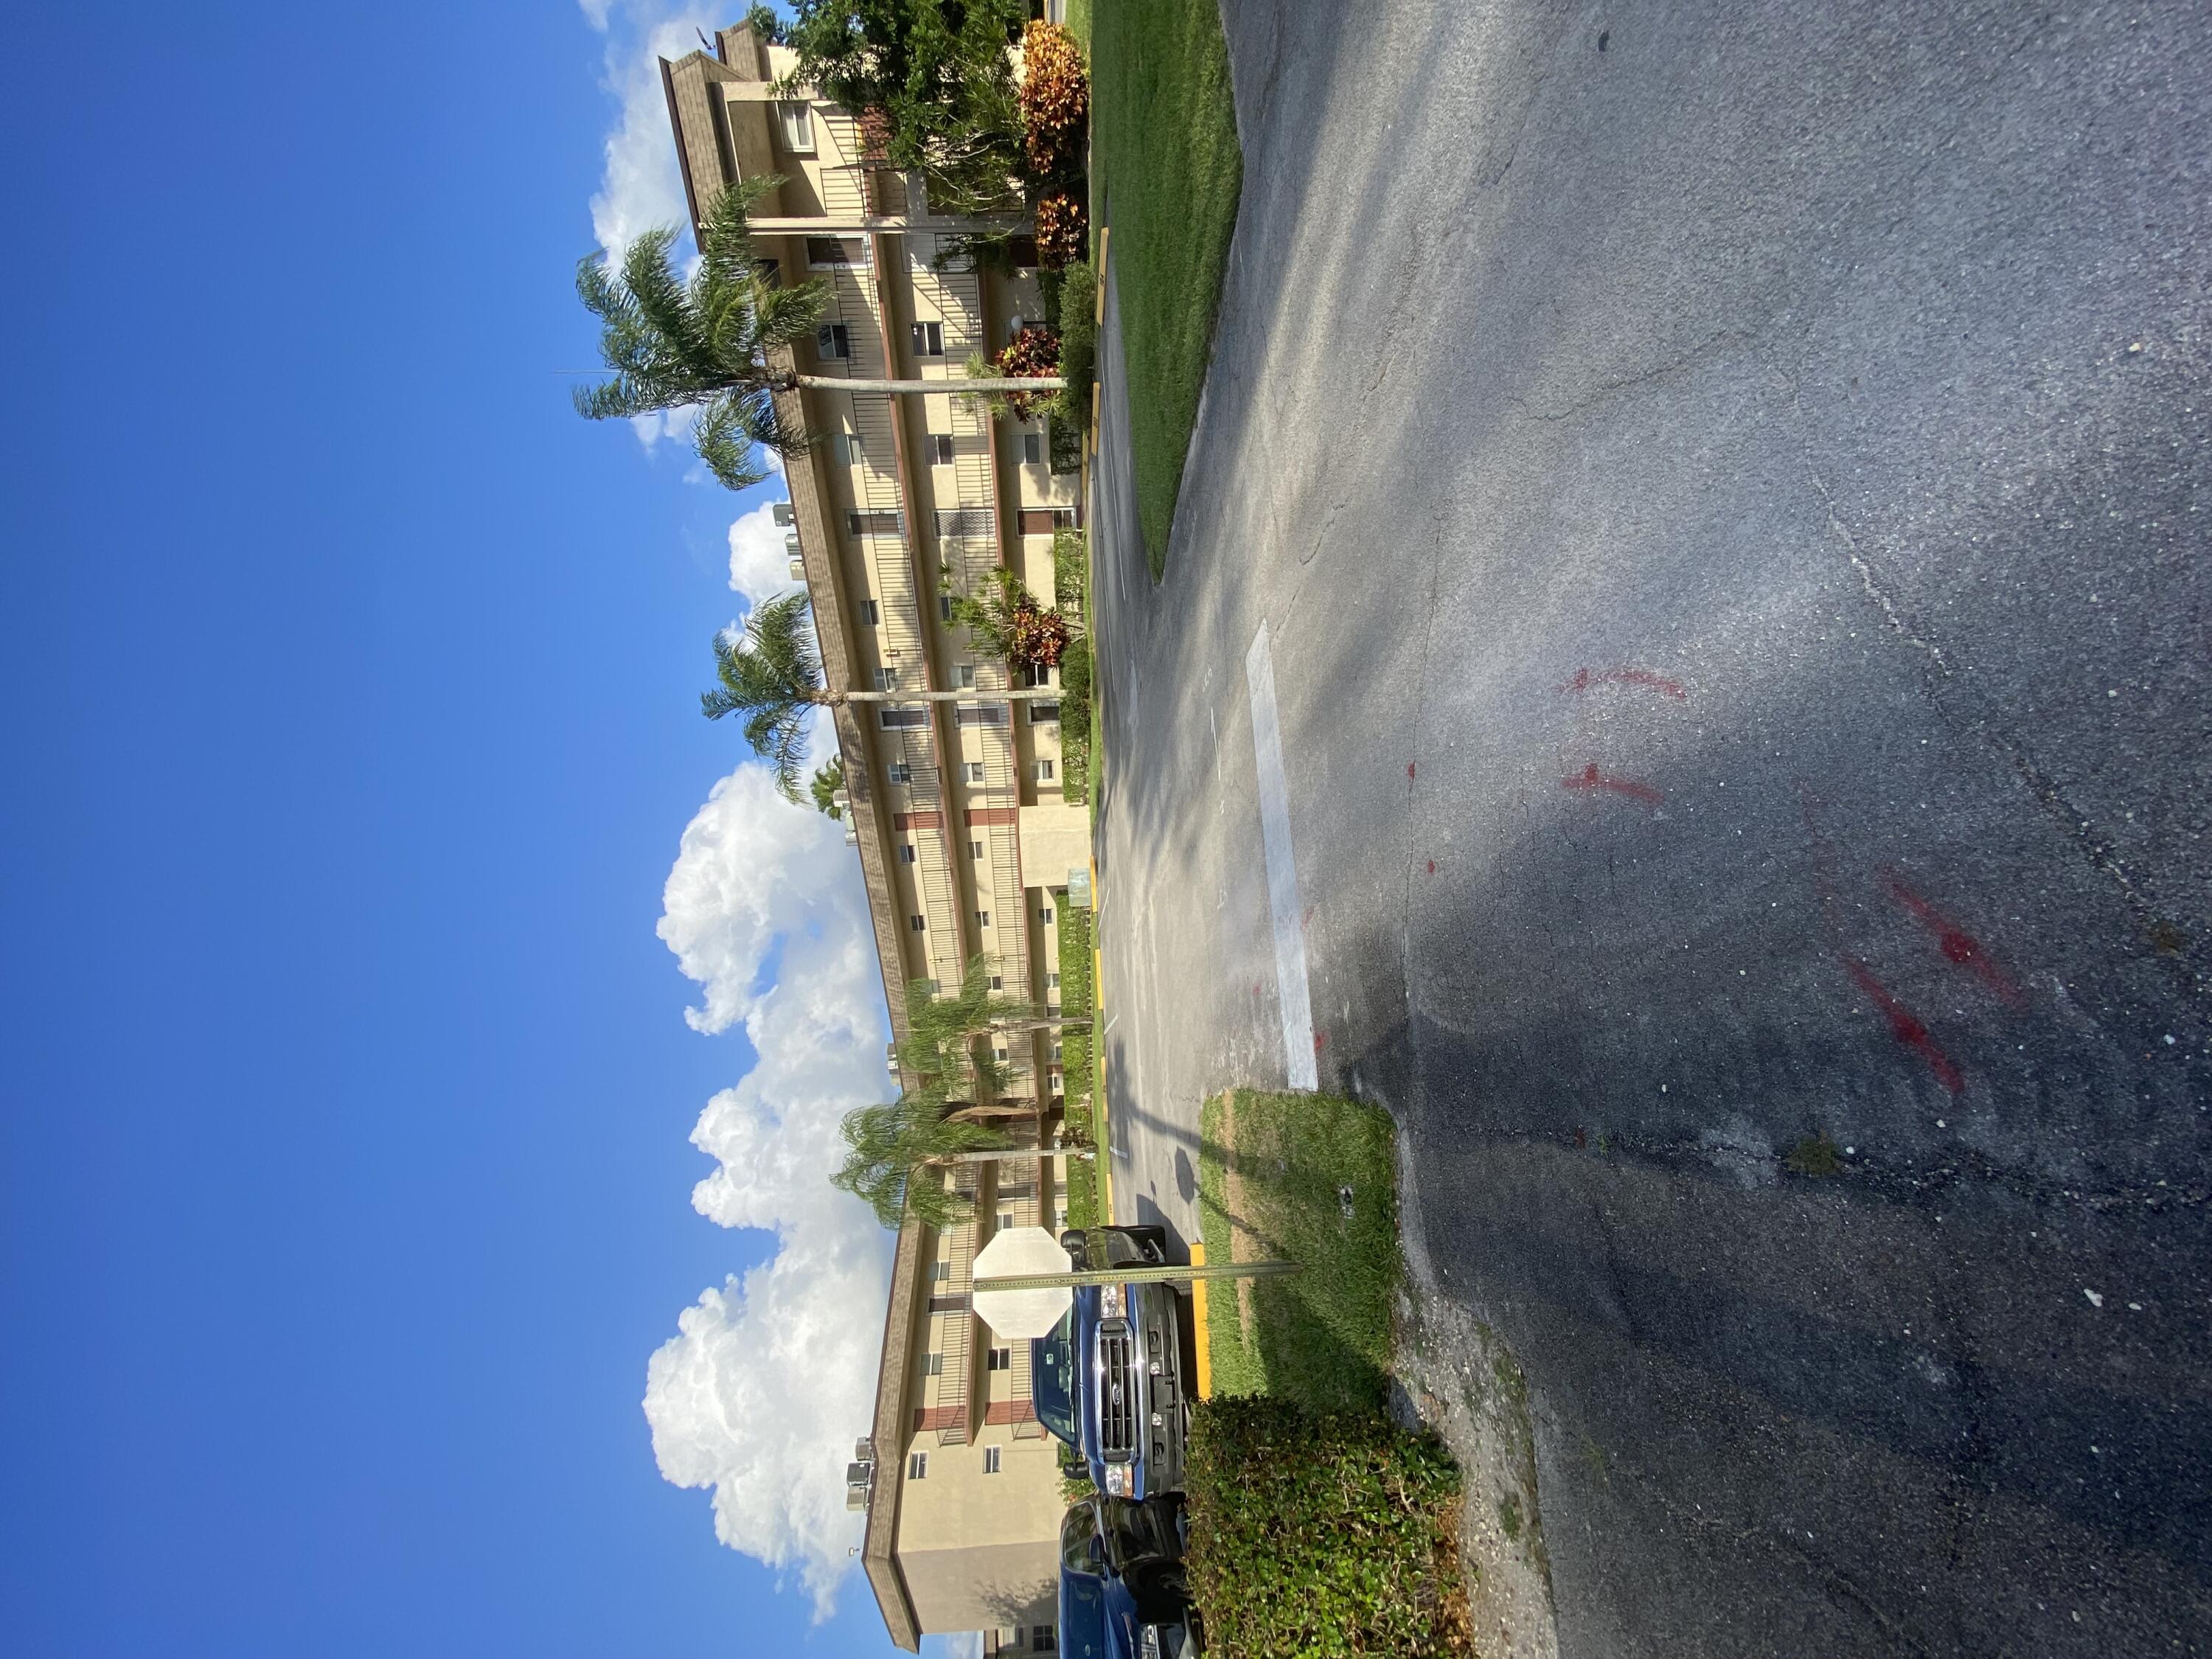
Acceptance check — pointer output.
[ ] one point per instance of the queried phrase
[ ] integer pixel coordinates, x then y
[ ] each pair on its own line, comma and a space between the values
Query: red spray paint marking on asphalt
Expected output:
1409, 768
1960, 945
1584, 679
1591, 778
1321, 1040
1432, 867
1906, 1027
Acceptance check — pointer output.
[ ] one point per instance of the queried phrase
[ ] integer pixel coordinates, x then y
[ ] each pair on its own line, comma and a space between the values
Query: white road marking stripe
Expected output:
1291, 994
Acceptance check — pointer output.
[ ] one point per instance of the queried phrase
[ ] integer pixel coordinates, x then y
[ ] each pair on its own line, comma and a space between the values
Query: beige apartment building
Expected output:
965, 839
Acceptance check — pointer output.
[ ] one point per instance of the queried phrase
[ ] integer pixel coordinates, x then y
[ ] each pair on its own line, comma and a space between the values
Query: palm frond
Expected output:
774, 676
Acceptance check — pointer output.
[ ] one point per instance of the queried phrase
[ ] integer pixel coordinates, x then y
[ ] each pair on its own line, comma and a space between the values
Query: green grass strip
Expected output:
1320, 1337
1165, 170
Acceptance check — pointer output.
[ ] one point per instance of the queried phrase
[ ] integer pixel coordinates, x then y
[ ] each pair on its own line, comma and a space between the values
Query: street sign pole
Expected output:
1171, 1273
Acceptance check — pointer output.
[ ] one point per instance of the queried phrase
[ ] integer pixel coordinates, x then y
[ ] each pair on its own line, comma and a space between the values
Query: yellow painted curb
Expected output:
1204, 1338
1105, 1158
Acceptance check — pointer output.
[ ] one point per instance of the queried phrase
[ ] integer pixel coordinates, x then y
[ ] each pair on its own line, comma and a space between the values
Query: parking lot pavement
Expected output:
1723, 492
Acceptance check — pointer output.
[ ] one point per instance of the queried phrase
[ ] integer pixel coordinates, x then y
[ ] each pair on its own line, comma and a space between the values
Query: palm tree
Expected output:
892, 1154
888, 1147
709, 342
773, 675
672, 345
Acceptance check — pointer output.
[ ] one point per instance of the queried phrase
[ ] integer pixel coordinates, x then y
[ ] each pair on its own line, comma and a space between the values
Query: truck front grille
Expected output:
1117, 1403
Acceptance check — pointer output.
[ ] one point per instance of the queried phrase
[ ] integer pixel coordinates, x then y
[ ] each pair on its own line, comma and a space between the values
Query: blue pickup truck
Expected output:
1109, 1380
1122, 1594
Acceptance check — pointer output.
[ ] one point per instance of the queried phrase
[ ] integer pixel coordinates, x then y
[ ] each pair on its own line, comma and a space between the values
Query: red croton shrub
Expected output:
1039, 636
1055, 99
1062, 229
1033, 352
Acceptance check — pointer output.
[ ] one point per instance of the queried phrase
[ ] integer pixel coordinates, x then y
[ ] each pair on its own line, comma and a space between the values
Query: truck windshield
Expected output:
1052, 1378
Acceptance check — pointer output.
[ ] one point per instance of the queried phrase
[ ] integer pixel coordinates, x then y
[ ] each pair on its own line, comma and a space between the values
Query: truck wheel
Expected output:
1162, 1594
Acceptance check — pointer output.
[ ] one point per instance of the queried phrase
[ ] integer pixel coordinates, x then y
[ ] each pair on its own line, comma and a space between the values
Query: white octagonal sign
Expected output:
1011, 1254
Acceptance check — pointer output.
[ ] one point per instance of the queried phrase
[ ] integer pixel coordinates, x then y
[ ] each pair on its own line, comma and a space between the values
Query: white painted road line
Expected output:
1282, 869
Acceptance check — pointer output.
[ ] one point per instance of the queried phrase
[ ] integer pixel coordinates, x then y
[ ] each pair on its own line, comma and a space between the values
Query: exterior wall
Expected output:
902, 500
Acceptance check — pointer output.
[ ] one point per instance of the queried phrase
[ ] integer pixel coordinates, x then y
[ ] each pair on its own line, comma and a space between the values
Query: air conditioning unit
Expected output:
785, 518
797, 569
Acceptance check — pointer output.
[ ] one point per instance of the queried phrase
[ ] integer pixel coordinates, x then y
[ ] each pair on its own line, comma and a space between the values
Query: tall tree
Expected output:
828, 781
705, 343
771, 674
940, 77
674, 344
890, 1151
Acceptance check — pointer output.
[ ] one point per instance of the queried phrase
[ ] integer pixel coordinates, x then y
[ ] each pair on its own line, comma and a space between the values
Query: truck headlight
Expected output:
1111, 1303
1117, 1479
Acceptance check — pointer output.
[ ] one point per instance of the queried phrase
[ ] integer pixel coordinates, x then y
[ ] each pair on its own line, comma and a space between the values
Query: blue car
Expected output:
1121, 1589
1108, 1381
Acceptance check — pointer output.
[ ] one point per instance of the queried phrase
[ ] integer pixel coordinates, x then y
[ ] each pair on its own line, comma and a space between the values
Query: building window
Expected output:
917, 1467
896, 719
899, 772
1044, 775
887, 679
929, 339
972, 771
944, 607
967, 676
998, 983
845, 446
833, 252
982, 918
831, 340
1033, 448
1043, 1638
940, 448
914, 922
940, 1270
906, 852
1044, 713
990, 1460
1006, 1219
1002, 1359
873, 524
933, 1365
982, 713
1044, 911
870, 616
1043, 520
1052, 981
1055, 1051
798, 123
975, 851
1038, 673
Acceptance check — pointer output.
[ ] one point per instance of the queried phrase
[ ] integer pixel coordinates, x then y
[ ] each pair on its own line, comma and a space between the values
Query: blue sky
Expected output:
346, 1143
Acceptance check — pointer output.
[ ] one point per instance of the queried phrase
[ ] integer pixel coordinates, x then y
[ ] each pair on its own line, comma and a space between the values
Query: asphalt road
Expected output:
1724, 488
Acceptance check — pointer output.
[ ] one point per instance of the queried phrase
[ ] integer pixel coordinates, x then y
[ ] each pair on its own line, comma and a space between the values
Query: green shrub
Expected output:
1320, 1534
1078, 355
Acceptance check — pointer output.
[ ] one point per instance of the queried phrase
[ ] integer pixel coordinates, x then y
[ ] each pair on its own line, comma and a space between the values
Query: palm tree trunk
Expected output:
956, 388
1018, 694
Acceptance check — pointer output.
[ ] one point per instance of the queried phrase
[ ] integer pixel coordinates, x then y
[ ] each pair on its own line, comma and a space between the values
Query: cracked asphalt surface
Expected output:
1726, 488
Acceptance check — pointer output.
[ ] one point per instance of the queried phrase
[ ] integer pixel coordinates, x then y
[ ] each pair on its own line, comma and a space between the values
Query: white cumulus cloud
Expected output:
771, 1377
639, 184
760, 560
